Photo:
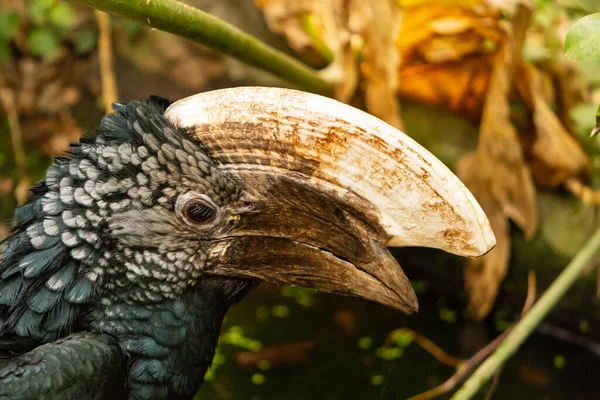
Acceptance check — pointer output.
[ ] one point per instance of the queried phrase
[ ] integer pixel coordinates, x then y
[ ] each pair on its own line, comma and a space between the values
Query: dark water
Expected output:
338, 368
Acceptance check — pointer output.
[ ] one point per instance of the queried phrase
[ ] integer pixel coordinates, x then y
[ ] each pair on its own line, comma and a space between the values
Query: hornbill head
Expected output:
324, 189
160, 221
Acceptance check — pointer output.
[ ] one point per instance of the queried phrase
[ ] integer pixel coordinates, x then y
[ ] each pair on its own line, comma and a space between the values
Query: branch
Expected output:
427, 345
109, 85
194, 24
527, 325
472, 363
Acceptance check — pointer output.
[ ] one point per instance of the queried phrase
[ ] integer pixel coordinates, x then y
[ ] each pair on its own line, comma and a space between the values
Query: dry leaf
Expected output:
437, 33
378, 23
329, 21
429, 83
188, 65
498, 175
45, 95
554, 154
447, 51
484, 275
360, 34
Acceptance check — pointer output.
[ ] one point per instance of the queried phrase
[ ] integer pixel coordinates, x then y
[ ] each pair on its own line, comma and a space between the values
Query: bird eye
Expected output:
199, 211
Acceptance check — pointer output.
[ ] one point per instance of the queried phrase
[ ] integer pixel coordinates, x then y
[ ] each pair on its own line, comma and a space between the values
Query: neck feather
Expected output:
171, 344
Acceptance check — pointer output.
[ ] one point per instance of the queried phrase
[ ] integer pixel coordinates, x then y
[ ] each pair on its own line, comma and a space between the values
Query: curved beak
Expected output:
328, 187
296, 234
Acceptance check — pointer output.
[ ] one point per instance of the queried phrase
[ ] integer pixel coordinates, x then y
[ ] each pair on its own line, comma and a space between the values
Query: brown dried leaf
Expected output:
428, 83
188, 65
329, 20
498, 175
377, 22
360, 34
439, 32
500, 156
484, 275
555, 155
447, 51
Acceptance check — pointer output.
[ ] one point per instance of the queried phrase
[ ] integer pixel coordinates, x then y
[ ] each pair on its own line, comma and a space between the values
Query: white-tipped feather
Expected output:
419, 201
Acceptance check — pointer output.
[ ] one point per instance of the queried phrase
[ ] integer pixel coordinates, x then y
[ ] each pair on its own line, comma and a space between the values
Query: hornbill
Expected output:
121, 266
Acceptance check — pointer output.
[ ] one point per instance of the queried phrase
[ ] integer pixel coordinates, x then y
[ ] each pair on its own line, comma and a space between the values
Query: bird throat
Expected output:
171, 344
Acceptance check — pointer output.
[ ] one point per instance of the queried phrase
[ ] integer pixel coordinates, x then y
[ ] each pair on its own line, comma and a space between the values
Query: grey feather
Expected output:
61, 278
43, 300
81, 292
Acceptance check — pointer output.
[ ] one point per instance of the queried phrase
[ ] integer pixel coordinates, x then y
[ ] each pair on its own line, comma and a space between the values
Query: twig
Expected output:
194, 24
7, 97
464, 370
8, 103
493, 386
468, 366
586, 194
109, 85
527, 325
428, 346
531, 293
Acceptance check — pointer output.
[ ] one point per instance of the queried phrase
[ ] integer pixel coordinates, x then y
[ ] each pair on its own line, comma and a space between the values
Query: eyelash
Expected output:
197, 209
199, 212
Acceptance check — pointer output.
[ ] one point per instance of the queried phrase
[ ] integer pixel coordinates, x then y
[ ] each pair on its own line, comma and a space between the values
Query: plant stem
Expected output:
531, 320
109, 83
194, 24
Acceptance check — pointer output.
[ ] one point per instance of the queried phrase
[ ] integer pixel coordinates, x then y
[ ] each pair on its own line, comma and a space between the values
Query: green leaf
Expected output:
584, 116
84, 41
4, 52
596, 129
37, 11
62, 16
587, 5
131, 28
567, 223
9, 22
583, 39
44, 43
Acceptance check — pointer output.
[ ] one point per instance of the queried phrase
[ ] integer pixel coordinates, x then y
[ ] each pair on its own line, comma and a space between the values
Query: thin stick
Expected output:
109, 85
531, 293
468, 366
527, 325
493, 386
194, 24
427, 345
585, 193
8, 102
464, 370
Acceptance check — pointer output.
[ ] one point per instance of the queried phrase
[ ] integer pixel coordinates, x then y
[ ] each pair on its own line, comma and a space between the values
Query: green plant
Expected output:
46, 26
51, 21
9, 22
583, 44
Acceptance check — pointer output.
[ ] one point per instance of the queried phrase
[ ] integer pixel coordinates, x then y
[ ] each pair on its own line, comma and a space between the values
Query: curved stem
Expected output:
194, 24
527, 325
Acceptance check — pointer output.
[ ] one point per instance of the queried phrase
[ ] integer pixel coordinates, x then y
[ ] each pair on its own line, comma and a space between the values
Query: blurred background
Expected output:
484, 85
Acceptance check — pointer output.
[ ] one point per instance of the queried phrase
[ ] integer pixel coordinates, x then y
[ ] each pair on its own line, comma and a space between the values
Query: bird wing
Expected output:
84, 365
